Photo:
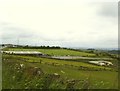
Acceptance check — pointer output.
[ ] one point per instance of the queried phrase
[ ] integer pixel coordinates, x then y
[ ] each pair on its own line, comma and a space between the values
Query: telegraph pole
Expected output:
17, 41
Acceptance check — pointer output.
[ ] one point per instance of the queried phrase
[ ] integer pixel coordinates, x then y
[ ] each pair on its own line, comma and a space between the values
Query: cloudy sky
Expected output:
67, 23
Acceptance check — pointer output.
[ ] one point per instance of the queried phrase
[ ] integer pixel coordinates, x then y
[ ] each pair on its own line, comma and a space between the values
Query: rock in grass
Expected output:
34, 71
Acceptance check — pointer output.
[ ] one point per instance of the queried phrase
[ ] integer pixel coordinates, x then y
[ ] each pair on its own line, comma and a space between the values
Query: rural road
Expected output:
78, 57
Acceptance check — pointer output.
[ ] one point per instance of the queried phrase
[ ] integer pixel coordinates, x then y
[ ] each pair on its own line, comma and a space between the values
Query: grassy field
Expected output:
71, 76
33, 72
0, 71
61, 62
58, 52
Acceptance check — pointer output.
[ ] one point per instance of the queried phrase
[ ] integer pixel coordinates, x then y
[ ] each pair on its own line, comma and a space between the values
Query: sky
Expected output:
65, 23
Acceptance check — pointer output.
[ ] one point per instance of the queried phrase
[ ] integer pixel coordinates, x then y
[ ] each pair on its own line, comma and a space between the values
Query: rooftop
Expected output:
22, 52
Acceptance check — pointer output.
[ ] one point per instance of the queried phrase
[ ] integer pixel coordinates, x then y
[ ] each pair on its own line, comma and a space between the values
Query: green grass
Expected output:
61, 62
58, 52
12, 79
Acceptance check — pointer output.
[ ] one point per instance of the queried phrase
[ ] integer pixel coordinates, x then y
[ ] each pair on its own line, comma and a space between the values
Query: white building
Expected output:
23, 52
101, 63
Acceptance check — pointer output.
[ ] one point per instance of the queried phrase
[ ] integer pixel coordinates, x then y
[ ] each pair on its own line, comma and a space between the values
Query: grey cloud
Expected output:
99, 34
4, 23
10, 32
108, 9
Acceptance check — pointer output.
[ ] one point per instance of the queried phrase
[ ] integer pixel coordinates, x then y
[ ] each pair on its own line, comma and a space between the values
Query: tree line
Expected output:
39, 47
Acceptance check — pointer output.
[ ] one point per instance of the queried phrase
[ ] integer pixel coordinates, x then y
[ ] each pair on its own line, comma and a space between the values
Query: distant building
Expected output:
101, 63
23, 52
7, 45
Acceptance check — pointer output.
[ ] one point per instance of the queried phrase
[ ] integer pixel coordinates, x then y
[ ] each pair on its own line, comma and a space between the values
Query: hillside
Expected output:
38, 72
